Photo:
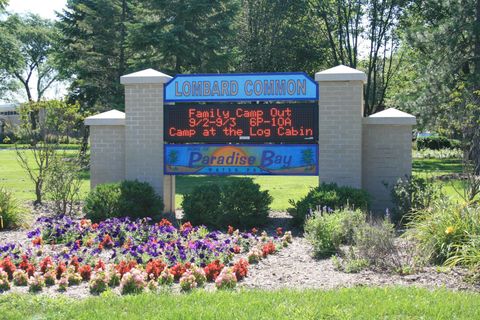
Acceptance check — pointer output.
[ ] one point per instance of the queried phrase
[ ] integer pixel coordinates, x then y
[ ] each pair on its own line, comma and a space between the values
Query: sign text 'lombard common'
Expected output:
241, 87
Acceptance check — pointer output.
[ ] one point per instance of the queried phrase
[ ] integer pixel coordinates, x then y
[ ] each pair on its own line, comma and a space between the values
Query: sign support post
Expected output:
144, 132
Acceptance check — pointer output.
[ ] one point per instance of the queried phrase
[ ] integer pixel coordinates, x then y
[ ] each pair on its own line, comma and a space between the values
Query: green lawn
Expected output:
353, 303
282, 188
15, 179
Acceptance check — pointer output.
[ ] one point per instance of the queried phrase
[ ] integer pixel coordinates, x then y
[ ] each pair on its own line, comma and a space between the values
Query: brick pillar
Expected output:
144, 131
107, 147
340, 125
387, 154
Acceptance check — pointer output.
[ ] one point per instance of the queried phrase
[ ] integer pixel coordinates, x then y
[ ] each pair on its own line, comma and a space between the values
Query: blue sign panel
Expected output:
241, 87
226, 159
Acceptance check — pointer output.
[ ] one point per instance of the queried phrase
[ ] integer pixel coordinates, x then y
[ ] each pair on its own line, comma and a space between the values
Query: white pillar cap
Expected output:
109, 118
391, 116
147, 76
341, 73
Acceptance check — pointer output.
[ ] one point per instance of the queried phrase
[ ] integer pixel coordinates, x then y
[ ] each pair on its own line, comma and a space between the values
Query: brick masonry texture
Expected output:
107, 149
387, 156
340, 132
144, 134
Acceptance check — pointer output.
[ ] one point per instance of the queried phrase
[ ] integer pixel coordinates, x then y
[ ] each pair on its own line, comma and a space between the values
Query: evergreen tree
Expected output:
184, 36
280, 35
93, 51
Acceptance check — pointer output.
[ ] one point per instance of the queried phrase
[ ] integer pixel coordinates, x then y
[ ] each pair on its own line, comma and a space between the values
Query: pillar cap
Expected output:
109, 118
391, 116
147, 76
341, 73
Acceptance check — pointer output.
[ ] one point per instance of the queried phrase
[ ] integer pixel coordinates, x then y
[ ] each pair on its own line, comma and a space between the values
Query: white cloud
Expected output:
44, 8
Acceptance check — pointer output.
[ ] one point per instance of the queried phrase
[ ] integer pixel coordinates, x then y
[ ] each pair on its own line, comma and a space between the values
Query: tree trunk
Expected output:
84, 145
38, 193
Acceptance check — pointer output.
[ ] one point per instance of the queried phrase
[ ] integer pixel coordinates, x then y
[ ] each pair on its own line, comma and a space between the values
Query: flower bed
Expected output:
133, 255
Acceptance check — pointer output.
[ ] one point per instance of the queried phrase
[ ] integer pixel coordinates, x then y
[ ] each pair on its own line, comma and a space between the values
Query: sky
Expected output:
44, 8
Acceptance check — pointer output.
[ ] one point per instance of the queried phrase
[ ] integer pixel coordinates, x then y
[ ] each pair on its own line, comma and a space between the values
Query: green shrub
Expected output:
239, 203
103, 202
375, 243
412, 194
139, 200
201, 206
244, 205
128, 198
327, 231
445, 230
437, 143
330, 196
9, 210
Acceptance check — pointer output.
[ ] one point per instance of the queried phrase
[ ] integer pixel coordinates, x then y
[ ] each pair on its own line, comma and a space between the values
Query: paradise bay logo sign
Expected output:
241, 159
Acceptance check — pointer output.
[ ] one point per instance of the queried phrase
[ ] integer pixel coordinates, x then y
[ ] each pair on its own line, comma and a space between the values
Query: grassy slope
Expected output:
282, 188
354, 303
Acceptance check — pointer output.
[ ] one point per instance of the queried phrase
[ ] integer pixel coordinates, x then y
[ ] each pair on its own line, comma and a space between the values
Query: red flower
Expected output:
254, 230
94, 226
30, 270
241, 269
61, 268
107, 241
85, 271
155, 267
230, 230
8, 266
25, 263
212, 270
236, 249
164, 223
279, 231
268, 248
74, 262
100, 265
46, 264
187, 225
124, 267
178, 270
37, 241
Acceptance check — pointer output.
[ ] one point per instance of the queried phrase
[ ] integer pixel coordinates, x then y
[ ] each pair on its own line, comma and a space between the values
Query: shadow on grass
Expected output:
185, 184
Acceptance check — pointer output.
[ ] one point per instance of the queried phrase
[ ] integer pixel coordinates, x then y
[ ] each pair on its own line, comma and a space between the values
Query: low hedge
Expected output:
239, 203
133, 199
437, 143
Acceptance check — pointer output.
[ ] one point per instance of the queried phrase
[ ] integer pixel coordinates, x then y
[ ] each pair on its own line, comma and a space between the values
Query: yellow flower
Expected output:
449, 230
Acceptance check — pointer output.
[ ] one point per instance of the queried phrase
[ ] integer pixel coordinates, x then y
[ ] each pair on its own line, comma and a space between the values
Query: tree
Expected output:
3, 5
178, 36
345, 23
280, 35
444, 38
58, 118
93, 51
25, 51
